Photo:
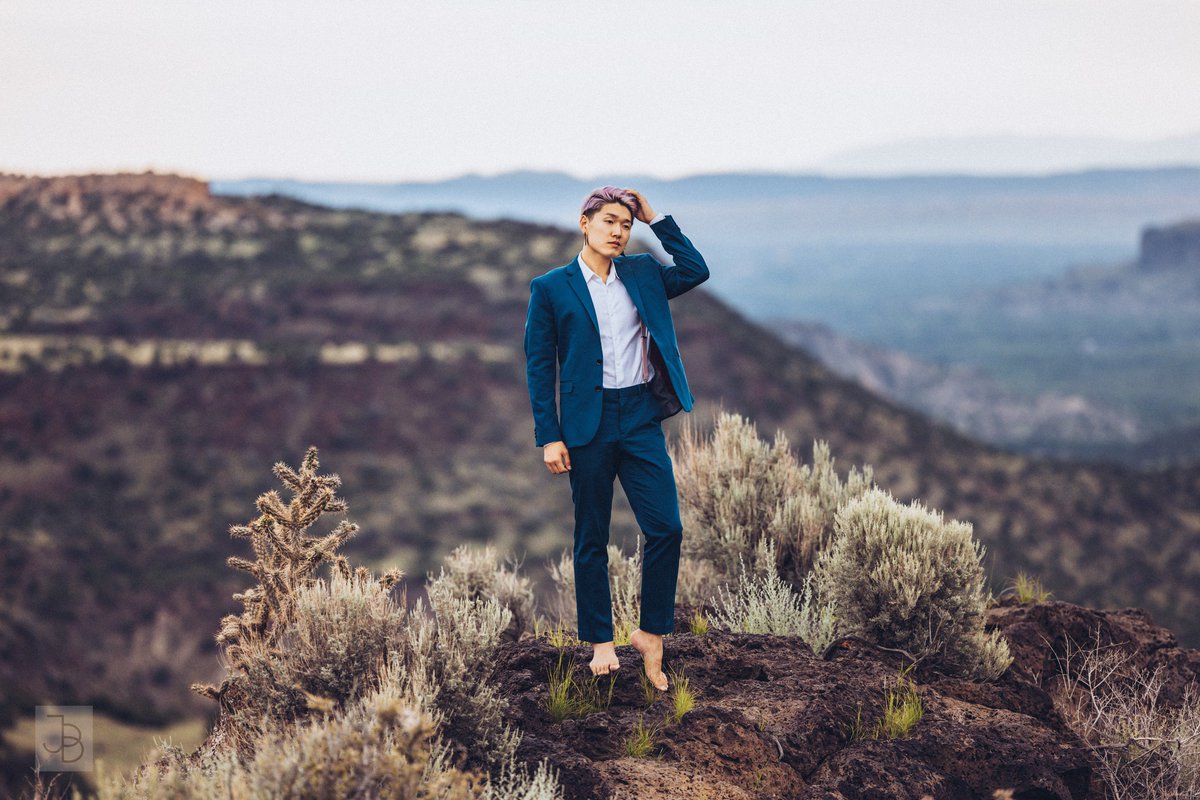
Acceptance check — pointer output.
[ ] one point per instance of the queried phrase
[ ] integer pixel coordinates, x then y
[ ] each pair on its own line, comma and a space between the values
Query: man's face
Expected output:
608, 230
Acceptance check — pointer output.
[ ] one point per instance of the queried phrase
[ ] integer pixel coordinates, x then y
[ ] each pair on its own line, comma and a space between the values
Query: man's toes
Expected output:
604, 668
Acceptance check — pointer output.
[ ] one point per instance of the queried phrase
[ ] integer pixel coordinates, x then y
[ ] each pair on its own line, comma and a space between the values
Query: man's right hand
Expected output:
557, 459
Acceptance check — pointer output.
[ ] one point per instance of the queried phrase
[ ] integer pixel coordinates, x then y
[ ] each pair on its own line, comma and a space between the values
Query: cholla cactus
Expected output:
286, 559
903, 577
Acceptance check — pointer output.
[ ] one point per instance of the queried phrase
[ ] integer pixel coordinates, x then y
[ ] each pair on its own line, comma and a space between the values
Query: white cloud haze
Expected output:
370, 90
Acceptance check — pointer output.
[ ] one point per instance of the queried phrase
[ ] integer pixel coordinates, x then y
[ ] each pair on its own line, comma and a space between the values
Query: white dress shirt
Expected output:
620, 326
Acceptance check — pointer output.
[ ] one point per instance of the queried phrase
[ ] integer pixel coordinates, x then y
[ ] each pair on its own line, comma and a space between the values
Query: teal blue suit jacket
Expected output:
561, 332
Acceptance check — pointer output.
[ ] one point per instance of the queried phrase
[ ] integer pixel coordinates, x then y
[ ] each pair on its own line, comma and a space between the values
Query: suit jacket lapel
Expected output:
577, 283
629, 280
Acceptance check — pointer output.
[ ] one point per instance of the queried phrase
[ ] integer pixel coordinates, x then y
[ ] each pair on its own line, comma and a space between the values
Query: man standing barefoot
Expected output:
604, 323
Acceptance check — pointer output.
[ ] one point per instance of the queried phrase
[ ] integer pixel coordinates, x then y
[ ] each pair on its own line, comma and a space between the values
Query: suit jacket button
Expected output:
597, 388
599, 360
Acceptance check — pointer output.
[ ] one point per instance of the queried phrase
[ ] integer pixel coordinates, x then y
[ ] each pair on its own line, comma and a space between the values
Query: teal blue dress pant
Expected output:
629, 446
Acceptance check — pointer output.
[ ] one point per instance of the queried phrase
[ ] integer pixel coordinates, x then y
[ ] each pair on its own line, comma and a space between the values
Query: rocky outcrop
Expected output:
1172, 247
74, 197
772, 718
1039, 636
128, 204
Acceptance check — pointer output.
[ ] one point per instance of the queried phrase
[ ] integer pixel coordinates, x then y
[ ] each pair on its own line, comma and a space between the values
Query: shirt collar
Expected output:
589, 274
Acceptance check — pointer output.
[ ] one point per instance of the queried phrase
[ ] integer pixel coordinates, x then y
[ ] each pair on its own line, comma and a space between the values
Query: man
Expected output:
618, 379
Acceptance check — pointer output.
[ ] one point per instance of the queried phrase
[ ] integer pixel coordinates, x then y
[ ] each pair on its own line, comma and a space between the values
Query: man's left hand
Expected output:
645, 212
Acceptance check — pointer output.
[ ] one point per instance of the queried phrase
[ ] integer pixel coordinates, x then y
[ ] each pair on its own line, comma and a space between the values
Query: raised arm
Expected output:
541, 356
689, 270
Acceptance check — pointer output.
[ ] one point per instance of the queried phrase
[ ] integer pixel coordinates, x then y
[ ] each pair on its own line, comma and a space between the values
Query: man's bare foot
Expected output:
651, 647
604, 658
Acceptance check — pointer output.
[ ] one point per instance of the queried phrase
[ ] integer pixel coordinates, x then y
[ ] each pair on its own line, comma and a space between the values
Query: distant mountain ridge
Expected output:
1095, 206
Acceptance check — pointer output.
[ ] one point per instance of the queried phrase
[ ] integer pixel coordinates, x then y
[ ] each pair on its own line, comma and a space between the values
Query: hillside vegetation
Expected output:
392, 342
891, 673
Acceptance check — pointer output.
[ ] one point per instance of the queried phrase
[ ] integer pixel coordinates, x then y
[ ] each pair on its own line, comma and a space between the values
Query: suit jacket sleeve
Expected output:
541, 356
689, 270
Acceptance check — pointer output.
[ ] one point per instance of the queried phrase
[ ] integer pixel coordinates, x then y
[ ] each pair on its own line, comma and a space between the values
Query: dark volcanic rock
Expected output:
772, 718
1038, 636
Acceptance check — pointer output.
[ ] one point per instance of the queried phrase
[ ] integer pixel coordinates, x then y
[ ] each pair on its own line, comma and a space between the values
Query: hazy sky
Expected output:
369, 90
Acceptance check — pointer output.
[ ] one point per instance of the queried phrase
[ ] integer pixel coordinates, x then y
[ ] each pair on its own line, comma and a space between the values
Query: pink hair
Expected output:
609, 194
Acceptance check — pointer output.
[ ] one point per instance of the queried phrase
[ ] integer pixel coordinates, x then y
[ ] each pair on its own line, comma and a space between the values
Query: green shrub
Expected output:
902, 577
902, 709
766, 604
739, 491
1027, 589
383, 745
473, 573
650, 692
683, 699
857, 730
556, 634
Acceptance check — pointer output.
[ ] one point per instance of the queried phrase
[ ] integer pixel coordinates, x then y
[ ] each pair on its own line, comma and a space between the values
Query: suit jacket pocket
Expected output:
565, 387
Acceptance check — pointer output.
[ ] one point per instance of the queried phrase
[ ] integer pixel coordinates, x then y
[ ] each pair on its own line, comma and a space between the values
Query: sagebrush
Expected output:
474, 573
904, 577
739, 492
336, 689
767, 604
